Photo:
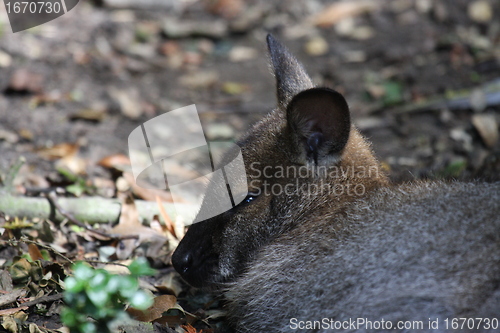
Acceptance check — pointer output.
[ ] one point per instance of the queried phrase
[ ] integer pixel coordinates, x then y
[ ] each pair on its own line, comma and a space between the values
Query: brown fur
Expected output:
394, 252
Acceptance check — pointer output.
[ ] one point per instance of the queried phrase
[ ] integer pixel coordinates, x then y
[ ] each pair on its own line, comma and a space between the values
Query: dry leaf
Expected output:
115, 161
199, 79
190, 329
59, 151
166, 218
12, 311
34, 252
225, 8
341, 10
11, 297
129, 101
487, 127
25, 81
129, 225
73, 163
161, 304
147, 194
68, 155
89, 115
169, 284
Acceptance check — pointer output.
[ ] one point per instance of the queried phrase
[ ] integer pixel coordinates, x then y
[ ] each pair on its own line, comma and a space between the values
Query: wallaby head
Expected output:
304, 162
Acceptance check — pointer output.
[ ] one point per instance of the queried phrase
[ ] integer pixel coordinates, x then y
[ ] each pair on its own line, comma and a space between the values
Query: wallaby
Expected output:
325, 242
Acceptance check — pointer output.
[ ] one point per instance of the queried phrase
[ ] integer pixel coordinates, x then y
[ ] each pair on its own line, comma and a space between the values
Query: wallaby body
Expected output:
324, 239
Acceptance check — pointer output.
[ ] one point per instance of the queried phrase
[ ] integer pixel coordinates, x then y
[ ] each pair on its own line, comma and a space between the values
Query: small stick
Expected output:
48, 248
48, 298
53, 199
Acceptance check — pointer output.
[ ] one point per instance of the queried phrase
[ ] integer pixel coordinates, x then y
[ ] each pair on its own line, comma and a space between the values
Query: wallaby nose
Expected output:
182, 261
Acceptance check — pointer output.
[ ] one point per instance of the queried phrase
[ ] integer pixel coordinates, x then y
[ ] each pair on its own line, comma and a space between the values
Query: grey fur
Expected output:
414, 252
419, 251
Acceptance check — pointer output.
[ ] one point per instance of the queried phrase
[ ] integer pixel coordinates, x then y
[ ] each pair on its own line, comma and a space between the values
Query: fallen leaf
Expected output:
316, 46
12, 296
190, 329
59, 151
166, 218
5, 281
480, 11
169, 284
147, 194
129, 225
169, 48
341, 10
25, 81
46, 98
91, 115
161, 304
176, 316
199, 79
115, 161
225, 8
8, 312
20, 270
26, 134
487, 127
34, 252
242, 53
128, 100
73, 163
5, 59
234, 88
8, 136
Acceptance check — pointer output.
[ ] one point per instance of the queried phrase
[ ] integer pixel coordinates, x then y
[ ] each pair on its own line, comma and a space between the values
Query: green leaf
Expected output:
141, 300
393, 93
99, 280
140, 267
20, 270
114, 283
73, 285
98, 297
82, 271
129, 286
76, 189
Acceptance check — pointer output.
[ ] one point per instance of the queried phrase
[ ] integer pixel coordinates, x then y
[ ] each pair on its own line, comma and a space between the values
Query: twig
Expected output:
43, 299
11, 297
48, 248
105, 263
53, 199
89, 209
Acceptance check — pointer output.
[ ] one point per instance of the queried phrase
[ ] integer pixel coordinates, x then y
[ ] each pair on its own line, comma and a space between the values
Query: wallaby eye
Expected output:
250, 197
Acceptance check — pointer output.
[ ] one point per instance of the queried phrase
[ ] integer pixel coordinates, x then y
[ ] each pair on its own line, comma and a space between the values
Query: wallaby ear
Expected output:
291, 78
319, 124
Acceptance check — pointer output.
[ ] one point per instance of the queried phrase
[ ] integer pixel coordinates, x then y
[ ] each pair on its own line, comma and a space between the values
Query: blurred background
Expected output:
421, 76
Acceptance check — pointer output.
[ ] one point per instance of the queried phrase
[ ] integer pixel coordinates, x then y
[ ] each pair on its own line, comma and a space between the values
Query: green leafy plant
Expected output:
102, 296
79, 184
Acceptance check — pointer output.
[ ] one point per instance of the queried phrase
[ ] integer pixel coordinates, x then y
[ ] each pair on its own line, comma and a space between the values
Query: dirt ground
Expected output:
422, 78
96, 57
